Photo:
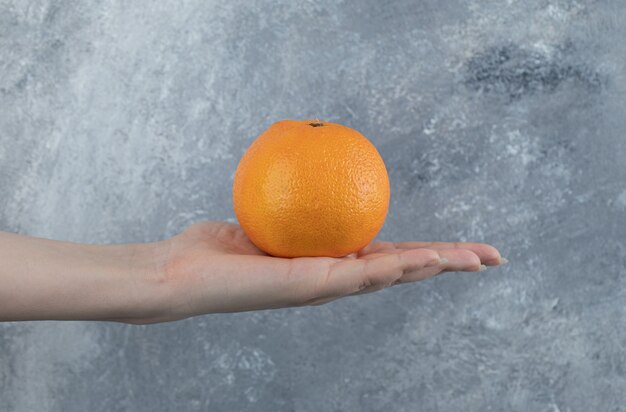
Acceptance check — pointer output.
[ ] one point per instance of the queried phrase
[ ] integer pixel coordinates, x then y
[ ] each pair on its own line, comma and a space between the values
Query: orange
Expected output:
311, 188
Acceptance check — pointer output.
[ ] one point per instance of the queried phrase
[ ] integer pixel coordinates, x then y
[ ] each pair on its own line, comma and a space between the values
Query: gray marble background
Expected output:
499, 121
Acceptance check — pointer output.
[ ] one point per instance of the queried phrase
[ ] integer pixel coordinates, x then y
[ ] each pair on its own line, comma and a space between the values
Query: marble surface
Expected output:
499, 121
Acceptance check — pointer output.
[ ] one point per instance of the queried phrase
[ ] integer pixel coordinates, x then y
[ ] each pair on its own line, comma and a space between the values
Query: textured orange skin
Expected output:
301, 190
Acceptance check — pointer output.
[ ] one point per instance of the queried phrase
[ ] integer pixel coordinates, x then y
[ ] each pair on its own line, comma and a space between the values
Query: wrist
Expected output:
144, 294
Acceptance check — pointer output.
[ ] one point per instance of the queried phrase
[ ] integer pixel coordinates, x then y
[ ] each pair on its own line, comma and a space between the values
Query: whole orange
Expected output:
311, 188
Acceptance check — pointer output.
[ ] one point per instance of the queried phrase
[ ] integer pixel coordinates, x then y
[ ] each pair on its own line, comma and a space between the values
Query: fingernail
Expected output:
504, 261
435, 262
443, 261
482, 267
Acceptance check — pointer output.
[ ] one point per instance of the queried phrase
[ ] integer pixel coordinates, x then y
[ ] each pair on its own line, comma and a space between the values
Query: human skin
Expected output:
212, 267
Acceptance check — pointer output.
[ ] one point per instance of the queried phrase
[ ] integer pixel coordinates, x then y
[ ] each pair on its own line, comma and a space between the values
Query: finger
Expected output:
457, 260
461, 260
411, 276
453, 260
349, 276
487, 254
323, 301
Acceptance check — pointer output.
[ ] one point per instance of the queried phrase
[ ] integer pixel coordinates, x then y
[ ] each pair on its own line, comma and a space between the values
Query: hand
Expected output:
210, 267
213, 267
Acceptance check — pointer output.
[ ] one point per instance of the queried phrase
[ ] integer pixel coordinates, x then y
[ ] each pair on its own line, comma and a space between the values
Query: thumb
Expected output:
349, 276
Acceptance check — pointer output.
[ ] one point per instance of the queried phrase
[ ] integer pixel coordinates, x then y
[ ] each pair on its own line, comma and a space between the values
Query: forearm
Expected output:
43, 279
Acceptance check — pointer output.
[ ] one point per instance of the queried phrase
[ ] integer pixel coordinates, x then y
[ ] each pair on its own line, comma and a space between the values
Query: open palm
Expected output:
214, 267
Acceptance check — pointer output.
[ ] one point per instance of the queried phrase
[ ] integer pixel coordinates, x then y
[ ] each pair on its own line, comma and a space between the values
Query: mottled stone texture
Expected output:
499, 121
